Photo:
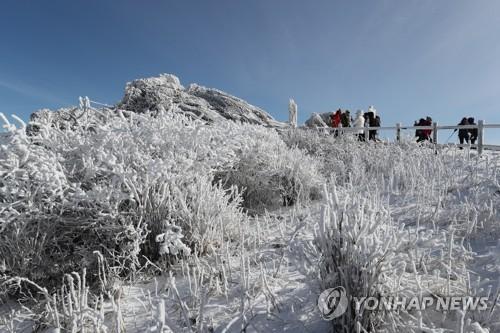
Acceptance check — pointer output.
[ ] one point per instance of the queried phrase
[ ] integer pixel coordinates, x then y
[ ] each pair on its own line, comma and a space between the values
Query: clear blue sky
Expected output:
409, 58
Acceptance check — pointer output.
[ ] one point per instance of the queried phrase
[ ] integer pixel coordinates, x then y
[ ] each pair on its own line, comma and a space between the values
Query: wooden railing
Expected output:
435, 128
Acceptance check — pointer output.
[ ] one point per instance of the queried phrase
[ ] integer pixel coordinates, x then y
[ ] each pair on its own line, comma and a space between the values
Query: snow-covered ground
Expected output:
114, 221
276, 287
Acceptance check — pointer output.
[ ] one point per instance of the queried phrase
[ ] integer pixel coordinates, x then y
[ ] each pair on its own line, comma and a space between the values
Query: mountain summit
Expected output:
208, 104
164, 92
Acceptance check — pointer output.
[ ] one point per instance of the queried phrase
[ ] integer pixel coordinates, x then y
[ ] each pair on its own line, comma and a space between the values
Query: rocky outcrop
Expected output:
205, 103
161, 93
319, 120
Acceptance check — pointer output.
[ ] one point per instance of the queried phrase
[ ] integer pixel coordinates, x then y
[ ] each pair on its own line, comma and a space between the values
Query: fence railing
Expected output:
435, 128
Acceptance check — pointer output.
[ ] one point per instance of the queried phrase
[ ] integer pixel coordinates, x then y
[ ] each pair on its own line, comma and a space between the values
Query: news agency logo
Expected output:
334, 302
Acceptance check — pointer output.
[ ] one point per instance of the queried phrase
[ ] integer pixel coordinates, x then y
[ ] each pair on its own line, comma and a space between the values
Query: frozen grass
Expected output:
398, 220
110, 185
160, 192
138, 188
273, 175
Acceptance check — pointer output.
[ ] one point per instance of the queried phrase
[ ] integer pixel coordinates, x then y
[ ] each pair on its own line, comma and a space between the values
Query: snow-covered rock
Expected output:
318, 120
208, 104
163, 93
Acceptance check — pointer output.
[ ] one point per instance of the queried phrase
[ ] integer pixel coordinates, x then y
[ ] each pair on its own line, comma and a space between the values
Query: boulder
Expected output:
162, 93
204, 103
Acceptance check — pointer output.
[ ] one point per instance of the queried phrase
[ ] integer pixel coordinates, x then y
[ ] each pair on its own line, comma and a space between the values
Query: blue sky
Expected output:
409, 58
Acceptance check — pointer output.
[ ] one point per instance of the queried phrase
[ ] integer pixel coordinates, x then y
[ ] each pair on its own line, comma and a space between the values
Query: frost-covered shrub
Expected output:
440, 189
205, 212
111, 181
438, 200
447, 187
333, 153
270, 174
364, 251
312, 141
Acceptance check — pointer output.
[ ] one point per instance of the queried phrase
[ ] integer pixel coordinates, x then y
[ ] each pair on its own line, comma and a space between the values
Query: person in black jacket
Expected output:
428, 132
345, 119
463, 134
371, 121
367, 124
472, 131
419, 133
376, 123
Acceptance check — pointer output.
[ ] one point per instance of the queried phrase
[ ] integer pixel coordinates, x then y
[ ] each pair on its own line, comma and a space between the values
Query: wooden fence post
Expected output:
480, 128
434, 136
398, 132
435, 132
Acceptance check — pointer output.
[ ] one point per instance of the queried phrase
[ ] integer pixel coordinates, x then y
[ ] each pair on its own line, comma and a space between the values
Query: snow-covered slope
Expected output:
102, 199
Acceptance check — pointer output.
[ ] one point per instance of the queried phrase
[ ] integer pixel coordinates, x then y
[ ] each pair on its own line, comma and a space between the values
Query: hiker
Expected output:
463, 134
359, 122
369, 121
472, 131
424, 134
372, 120
345, 119
418, 132
427, 132
336, 118
336, 121
376, 123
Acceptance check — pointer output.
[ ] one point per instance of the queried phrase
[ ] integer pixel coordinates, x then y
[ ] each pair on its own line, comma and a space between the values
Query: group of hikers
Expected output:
343, 119
464, 134
467, 135
423, 134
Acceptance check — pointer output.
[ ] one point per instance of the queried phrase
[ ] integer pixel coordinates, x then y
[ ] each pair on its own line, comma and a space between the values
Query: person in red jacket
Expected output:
337, 118
336, 121
427, 132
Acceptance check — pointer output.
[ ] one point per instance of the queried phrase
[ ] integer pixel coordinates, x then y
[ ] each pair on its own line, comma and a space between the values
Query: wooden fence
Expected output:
435, 128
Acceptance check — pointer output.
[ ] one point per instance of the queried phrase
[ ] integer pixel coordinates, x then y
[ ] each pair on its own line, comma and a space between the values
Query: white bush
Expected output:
110, 182
397, 222
440, 189
270, 174
370, 255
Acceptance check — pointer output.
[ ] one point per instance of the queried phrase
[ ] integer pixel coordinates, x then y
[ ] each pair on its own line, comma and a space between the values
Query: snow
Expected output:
205, 103
292, 113
287, 284
160, 215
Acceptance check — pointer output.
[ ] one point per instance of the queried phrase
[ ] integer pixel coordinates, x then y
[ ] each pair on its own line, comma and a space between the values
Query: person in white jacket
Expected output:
359, 122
